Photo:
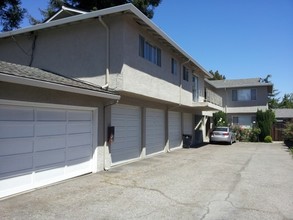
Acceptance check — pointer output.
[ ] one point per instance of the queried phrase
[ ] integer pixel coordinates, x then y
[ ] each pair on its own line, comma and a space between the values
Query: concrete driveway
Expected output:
242, 181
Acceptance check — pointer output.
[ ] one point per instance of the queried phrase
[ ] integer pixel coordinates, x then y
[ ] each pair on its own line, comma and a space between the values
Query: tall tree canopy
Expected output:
11, 14
217, 75
145, 6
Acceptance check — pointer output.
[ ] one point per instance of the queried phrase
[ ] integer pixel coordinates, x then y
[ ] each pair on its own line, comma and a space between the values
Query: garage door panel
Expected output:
49, 158
155, 130
79, 139
12, 114
79, 116
50, 143
16, 146
79, 152
15, 163
47, 129
127, 142
16, 130
81, 127
187, 123
50, 115
174, 129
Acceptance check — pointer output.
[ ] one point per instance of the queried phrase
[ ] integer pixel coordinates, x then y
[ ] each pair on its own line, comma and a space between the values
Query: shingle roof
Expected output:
238, 83
33, 73
283, 113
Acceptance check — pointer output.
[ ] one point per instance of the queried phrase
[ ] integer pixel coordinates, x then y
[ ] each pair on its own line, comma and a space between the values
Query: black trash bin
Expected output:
186, 140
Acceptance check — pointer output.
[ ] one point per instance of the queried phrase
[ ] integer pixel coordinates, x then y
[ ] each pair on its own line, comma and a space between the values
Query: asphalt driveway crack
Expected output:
135, 185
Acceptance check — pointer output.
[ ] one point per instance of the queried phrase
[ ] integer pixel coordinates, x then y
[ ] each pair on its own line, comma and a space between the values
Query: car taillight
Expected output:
226, 133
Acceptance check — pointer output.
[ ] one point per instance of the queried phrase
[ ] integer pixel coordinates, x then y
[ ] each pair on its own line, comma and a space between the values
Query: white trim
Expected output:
65, 9
55, 86
95, 135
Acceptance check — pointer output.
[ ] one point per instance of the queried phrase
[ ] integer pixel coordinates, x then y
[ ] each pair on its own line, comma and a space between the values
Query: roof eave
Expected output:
55, 86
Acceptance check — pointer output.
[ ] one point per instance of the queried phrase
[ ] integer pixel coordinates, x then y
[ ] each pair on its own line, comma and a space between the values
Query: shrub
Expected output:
220, 119
254, 134
288, 131
268, 139
246, 134
265, 121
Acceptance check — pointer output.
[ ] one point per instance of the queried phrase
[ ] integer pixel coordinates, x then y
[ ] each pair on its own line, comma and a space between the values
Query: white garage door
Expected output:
127, 140
174, 129
155, 130
39, 146
187, 123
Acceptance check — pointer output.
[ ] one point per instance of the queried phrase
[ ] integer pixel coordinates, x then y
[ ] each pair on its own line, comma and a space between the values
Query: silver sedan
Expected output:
222, 134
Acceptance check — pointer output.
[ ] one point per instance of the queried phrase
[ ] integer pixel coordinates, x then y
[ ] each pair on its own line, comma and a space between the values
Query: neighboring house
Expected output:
283, 115
163, 90
242, 98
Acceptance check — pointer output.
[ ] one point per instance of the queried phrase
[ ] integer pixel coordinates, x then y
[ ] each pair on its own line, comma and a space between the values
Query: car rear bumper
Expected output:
220, 139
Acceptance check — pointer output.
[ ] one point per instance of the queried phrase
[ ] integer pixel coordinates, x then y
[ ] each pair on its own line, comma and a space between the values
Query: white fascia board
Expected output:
63, 21
107, 11
73, 10
55, 86
54, 16
65, 9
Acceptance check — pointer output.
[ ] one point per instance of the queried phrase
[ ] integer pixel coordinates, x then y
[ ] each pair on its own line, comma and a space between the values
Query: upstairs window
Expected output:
173, 66
149, 52
243, 94
185, 73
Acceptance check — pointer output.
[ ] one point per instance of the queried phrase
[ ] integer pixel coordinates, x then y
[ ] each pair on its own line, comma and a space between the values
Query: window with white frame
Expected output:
173, 66
149, 52
243, 94
185, 73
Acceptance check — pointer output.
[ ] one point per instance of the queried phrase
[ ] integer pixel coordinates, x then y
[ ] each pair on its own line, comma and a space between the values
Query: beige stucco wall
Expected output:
78, 50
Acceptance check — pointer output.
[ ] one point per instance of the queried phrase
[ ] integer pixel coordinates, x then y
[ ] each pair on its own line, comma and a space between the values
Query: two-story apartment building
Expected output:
242, 98
162, 90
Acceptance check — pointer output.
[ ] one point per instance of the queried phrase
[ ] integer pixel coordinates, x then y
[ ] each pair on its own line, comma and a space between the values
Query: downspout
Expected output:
107, 76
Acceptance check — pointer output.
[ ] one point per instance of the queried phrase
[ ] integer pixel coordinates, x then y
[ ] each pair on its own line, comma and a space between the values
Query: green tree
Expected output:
11, 14
265, 121
217, 75
145, 6
220, 119
273, 100
287, 101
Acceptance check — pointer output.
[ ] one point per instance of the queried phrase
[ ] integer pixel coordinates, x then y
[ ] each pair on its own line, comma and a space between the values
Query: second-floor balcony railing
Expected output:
213, 97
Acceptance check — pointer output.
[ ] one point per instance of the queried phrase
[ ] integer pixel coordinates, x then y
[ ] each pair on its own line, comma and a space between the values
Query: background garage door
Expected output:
155, 130
127, 142
39, 146
187, 123
174, 129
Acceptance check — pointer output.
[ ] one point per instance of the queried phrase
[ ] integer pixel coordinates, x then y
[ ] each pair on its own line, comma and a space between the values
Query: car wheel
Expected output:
231, 141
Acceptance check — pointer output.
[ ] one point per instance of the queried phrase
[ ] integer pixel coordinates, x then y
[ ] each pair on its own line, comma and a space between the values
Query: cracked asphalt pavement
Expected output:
242, 181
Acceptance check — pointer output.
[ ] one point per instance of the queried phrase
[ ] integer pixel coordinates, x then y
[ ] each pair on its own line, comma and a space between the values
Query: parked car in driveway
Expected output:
222, 134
